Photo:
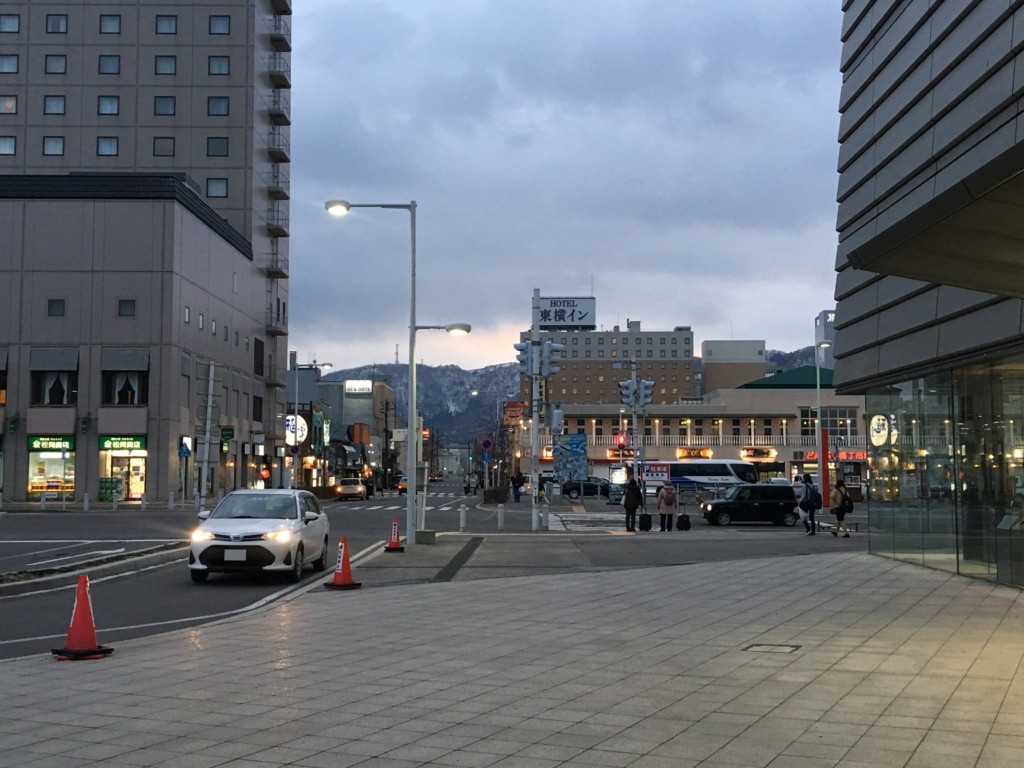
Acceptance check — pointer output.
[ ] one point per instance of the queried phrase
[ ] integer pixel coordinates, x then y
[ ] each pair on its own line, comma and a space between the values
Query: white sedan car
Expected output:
279, 531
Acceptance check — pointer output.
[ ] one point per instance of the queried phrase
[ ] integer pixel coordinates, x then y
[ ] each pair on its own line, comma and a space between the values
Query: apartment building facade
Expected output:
144, 259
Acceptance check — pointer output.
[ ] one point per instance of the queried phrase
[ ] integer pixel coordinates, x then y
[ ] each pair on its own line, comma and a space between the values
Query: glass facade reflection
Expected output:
946, 454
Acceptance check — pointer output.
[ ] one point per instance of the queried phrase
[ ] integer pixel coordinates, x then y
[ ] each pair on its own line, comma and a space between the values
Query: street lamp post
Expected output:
819, 431
340, 208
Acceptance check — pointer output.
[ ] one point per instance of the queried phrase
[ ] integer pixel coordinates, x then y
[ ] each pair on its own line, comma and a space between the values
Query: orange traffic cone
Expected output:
81, 642
395, 544
343, 573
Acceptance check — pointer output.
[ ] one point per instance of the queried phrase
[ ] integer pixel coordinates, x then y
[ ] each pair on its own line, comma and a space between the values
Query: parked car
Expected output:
276, 531
353, 488
589, 486
403, 485
759, 502
434, 478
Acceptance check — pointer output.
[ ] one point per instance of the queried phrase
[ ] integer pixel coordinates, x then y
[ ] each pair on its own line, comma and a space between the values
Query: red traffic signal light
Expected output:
620, 439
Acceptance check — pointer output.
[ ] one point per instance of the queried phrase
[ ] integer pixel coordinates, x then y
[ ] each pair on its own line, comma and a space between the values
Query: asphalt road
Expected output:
156, 594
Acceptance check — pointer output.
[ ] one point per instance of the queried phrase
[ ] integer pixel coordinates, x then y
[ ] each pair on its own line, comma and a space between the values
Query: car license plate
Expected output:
237, 555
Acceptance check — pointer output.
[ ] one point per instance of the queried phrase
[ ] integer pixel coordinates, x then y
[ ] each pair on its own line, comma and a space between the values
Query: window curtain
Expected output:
126, 388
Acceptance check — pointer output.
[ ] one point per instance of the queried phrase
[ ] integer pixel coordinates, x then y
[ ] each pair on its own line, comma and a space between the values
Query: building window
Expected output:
163, 105
55, 64
110, 64
110, 24
257, 408
8, 105
217, 105
220, 65
126, 307
167, 25
56, 24
106, 146
163, 146
166, 65
10, 22
216, 187
9, 63
54, 388
188, 315
108, 105
213, 327
53, 105
55, 307
220, 25
7, 145
202, 321
125, 388
217, 146
257, 357
53, 145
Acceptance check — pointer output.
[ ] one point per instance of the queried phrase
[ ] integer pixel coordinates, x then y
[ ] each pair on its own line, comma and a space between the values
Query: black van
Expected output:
753, 503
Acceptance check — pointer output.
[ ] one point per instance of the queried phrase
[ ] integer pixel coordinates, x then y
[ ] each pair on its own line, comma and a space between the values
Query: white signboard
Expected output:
358, 386
290, 429
574, 313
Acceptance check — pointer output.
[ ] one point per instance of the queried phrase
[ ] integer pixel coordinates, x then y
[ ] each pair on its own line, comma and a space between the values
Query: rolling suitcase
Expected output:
683, 524
644, 519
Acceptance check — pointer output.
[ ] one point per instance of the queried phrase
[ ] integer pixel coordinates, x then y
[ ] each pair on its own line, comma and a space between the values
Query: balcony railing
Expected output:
275, 265
278, 144
279, 107
280, 32
279, 70
277, 222
276, 324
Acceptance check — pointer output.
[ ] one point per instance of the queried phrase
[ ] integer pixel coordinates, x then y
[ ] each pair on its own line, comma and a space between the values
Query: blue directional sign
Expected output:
183, 451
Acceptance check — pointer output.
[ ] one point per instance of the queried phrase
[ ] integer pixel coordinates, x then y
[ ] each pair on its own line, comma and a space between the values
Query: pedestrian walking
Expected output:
668, 504
632, 499
517, 485
810, 502
840, 503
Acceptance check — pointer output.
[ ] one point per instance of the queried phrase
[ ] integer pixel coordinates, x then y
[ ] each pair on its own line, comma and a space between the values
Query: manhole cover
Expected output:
766, 648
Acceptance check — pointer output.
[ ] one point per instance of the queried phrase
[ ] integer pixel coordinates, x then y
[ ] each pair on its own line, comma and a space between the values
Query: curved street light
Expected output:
415, 435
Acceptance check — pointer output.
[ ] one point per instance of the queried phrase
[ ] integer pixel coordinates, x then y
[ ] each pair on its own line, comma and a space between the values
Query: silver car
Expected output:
279, 531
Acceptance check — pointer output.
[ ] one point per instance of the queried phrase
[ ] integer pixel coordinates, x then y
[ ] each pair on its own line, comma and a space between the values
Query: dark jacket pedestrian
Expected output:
838, 503
517, 485
632, 500
809, 523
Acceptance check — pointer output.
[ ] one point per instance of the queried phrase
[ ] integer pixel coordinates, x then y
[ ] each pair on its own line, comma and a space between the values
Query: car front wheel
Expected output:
574, 493
790, 518
723, 518
295, 575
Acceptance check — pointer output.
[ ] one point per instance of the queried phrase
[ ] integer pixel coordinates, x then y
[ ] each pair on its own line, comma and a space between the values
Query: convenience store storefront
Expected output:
122, 466
51, 467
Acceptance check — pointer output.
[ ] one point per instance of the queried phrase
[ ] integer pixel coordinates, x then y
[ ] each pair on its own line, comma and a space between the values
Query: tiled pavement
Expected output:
805, 662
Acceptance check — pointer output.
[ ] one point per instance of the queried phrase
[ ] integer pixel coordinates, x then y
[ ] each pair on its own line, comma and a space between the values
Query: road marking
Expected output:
79, 556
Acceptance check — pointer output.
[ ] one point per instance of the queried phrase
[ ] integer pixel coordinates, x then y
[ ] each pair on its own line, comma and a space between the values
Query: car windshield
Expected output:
256, 505
733, 492
350, 481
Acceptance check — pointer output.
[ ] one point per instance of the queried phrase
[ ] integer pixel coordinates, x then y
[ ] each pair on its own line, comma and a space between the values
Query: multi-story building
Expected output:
728, 364
594, 362
930, 317
144, 258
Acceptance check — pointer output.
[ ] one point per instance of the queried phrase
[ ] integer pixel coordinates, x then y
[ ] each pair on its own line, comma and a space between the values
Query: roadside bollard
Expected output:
196, 502
544, 517
501, 517
144, 504
116, 497
170, 500
462, 518
42, 503
85, 502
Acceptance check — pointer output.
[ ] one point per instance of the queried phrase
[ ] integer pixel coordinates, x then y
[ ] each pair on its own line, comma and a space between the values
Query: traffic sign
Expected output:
183, 451
486, 444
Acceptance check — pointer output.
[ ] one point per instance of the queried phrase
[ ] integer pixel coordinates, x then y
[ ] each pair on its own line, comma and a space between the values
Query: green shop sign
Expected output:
50, 443
122, 443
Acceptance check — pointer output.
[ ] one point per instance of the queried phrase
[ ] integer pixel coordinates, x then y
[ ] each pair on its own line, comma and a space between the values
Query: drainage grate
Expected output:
766, 648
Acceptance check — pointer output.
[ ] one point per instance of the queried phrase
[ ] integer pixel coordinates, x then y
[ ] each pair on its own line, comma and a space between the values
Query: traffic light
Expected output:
557, 421
550, 354
627, 389
620, 439
525, 357
646, 392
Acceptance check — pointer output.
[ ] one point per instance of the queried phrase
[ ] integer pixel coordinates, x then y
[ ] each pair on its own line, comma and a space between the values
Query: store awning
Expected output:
124, 359
53, 359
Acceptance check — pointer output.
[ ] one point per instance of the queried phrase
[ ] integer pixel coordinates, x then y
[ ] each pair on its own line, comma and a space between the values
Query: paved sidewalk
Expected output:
821, 660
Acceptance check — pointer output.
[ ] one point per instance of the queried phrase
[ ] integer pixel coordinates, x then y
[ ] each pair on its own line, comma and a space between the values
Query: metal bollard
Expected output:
196, 501
501, 517
116, 497
144, 503
85, 502
462, 517
544, 517
42, 503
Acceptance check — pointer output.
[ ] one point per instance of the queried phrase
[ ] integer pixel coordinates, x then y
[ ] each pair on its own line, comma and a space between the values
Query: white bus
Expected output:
694, 474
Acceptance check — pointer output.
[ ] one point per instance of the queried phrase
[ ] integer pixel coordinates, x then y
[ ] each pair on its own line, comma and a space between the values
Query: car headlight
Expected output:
200, 535
280, 536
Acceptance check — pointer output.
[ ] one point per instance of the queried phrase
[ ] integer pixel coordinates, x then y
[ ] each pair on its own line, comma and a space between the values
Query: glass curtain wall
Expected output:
946, 457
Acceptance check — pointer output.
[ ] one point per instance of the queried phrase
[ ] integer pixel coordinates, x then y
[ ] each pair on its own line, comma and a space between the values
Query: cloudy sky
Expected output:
675, 159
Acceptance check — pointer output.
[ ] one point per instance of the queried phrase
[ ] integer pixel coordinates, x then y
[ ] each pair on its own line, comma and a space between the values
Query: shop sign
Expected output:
122, 442
227, 433
758, 453
50, 443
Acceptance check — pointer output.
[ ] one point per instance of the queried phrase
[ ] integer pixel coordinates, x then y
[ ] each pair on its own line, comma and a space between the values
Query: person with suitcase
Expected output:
632, 499
668, 505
